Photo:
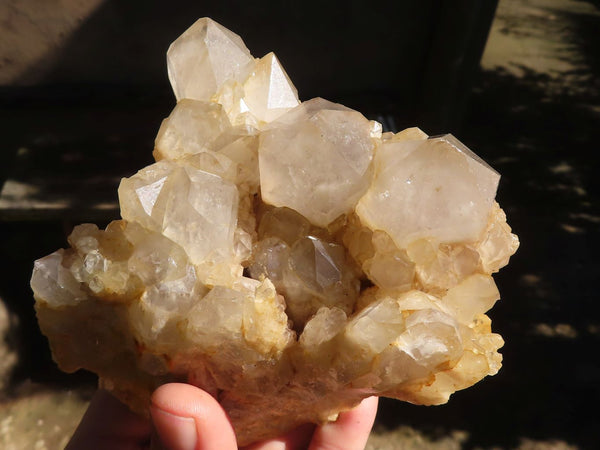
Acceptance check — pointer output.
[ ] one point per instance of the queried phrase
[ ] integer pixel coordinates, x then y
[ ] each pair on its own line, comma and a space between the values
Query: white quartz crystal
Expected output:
288, 258
434, 188
269, 91
264, 95
203, 58
338, 173
191, 128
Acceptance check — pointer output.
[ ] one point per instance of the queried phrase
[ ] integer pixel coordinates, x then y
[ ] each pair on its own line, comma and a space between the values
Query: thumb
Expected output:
188, 418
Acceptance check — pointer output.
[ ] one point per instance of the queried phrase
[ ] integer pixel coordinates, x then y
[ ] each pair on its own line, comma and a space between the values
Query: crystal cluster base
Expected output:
288, 257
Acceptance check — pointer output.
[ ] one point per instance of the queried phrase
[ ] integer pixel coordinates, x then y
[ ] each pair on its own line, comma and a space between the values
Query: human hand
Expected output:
186, 417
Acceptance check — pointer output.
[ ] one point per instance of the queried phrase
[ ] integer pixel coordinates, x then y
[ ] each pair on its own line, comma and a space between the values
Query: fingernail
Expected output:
175, 432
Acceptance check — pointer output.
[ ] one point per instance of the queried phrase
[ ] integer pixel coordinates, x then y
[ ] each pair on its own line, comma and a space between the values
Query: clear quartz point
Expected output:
338, 173
203, 58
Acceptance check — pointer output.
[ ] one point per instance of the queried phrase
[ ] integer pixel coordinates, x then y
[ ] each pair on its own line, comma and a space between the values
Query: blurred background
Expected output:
83, 89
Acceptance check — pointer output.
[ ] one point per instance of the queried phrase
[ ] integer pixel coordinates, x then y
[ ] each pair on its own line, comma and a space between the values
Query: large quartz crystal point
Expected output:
204, 57
183, 204
435, 188
322, 145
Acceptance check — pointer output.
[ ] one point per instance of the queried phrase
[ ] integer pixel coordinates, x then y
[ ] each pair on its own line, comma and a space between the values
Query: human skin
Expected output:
185, 417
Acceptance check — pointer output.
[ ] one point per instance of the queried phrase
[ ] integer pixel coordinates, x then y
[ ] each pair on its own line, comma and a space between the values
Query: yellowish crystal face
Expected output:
424, 188
289, 258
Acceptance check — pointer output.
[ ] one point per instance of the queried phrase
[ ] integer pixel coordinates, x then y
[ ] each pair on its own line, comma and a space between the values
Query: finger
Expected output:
108, 424
297, 439
350, 431
187, 417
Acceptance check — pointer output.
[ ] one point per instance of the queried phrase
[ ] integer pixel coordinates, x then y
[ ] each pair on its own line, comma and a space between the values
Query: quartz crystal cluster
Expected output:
288, 257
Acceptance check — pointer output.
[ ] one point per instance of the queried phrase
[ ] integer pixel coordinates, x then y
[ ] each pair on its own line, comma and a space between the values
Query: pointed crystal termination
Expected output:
193, 208
338, 173
434, 188
203, 58
288, 258
269, 90
265, 95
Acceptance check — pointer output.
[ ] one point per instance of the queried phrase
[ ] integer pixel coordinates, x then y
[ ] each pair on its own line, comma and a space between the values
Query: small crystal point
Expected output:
54, 283
139, 195
269, 92
192, 127
265, 94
